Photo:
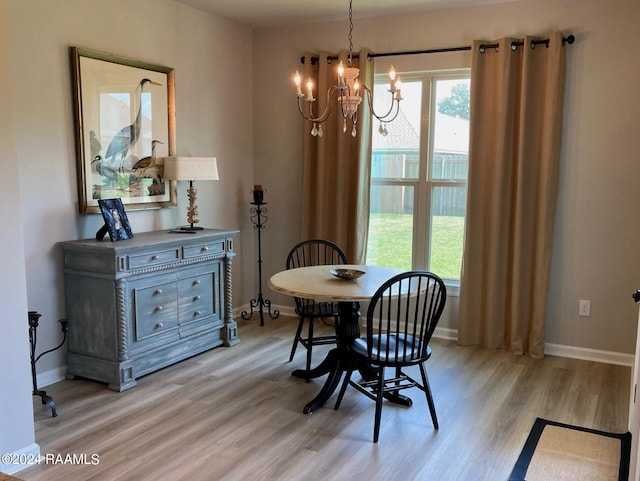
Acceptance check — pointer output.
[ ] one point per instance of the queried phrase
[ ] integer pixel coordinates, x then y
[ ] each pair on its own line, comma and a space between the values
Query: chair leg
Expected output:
310, 343
427, 391
399, 373
379, 397
296, 339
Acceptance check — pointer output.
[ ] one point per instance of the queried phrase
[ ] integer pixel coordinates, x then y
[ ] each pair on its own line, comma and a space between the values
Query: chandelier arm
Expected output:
395, 103
327, 110
388, 119
308, 117
329, 107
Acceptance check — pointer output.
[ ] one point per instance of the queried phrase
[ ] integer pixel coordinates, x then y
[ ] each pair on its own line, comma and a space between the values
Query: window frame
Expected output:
424, 184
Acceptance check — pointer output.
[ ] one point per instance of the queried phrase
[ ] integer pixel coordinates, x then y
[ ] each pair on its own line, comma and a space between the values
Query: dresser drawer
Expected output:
155, 310
154, 258
196, 295
204, 249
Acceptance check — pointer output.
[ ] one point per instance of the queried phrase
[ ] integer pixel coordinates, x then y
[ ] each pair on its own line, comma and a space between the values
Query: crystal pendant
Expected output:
314, 130
354, 132
320, 131
344, 126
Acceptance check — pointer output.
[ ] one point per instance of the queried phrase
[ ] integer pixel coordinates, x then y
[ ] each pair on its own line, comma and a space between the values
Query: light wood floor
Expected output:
236, 414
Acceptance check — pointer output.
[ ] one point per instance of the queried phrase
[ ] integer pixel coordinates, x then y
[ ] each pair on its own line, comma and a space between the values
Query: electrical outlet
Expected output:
584, 307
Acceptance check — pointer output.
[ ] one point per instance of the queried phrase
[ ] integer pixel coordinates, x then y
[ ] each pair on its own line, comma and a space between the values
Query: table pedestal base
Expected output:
340, 358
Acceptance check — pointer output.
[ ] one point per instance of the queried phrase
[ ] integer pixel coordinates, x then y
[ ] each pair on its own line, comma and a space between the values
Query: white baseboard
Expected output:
446, 333
24, 458
52, 376
560, 350
571, 352
587, 354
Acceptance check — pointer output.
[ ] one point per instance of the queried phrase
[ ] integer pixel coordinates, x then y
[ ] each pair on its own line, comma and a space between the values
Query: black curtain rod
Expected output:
570, 39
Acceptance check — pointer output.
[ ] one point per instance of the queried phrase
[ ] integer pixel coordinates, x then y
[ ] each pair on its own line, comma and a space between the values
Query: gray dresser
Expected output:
138, 305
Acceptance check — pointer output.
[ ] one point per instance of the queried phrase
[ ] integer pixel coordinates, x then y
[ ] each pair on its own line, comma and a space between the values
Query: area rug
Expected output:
560, 452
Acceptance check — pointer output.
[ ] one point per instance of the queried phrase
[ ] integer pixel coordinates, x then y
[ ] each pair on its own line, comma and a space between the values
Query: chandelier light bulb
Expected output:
392, 80
309, 90
298, 81
398, 88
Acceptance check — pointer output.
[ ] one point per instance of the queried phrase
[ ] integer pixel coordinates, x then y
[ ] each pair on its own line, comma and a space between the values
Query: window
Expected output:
419, 175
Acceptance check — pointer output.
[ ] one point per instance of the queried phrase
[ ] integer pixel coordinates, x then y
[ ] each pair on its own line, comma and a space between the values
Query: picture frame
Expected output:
116, 222
124, 115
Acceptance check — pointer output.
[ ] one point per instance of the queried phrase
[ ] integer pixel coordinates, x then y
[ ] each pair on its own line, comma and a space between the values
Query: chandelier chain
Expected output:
350, 33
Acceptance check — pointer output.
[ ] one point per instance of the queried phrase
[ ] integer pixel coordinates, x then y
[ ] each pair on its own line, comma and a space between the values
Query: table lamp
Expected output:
191, 168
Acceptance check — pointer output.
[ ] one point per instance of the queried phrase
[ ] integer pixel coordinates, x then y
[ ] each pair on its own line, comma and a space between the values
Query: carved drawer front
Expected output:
156, 310
154, 258
196, 297
205, 249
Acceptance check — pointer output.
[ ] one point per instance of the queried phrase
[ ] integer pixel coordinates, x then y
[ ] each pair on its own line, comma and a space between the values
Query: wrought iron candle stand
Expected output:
258, 219
33, 339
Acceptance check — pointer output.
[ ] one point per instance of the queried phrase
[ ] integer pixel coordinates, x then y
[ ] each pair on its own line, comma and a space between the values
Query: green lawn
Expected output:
390, 243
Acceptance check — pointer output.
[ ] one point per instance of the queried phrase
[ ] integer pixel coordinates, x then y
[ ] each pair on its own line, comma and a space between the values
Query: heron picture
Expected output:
125, 128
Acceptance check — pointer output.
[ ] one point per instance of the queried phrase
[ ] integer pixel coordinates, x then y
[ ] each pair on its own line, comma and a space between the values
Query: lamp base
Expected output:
187, 229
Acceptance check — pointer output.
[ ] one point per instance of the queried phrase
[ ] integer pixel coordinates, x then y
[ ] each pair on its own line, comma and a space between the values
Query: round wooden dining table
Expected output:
317, 282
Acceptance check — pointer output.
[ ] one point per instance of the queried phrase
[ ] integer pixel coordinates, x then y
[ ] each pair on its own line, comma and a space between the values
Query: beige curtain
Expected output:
336, 172
516, 126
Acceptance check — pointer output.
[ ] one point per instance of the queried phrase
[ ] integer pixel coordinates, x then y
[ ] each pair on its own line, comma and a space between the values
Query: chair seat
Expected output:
391, 349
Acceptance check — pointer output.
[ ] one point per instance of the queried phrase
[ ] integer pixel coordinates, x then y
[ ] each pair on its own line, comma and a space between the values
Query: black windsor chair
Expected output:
313, 252
401, 318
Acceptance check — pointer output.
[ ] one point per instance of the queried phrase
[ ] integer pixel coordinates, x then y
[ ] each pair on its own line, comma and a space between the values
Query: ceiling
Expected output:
279, 13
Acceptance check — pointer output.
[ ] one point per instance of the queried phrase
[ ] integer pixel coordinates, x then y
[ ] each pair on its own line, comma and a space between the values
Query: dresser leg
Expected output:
230, 333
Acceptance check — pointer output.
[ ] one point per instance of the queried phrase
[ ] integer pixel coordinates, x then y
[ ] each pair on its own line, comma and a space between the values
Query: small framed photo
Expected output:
116, 222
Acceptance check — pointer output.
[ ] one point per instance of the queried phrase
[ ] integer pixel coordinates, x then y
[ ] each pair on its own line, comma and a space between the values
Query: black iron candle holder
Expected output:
33, 339
258, 219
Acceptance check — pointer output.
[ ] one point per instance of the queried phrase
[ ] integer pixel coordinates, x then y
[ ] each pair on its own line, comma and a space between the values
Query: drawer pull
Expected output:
154, 258
204, 249
159, 325
196, 298
158, 292
196, 282
196, 313
158, 309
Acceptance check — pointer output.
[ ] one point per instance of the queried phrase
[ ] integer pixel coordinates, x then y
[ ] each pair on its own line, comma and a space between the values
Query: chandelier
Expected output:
349, 92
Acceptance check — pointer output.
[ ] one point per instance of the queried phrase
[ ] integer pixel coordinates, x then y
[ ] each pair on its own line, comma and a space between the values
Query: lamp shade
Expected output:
191, 168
